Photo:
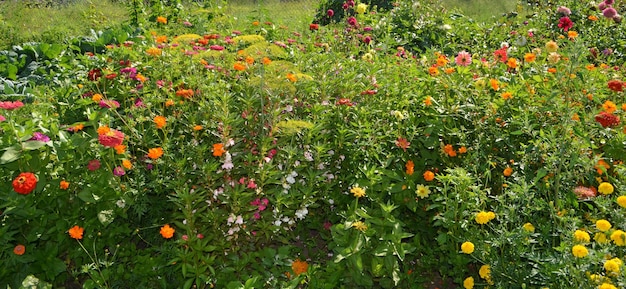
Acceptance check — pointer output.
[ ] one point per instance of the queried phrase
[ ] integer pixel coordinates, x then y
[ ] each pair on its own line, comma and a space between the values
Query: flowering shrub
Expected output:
322, 159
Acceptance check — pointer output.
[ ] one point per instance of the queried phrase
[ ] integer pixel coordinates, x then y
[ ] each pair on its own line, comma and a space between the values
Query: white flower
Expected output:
228, 162
121, 203
302, 213
290, 179
308, 156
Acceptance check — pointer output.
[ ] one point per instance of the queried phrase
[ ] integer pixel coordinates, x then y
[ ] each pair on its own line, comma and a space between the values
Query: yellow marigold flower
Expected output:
468, 283
153, 51
485, 273
581, 236
467, 248
483, 217
422, 191
161, 20
605, 188
619, 237
607, 286
359, 226
358, 192
299, 267
612, 266
159, 121
600, 238
603, 225
127, 164
579, 251
552, 46
621, 201
609, 106
528, 227
361, 8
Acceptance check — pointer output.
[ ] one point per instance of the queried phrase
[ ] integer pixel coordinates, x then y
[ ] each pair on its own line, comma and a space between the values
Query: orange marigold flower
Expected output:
410, 166
239, 66
160, 121
25, 183
127, 164
552, 70
449, 150
64, 185
449, 70
197, 127
299, 267
495, 85
76, 232
161, 20
442, 60
507, 95
185, 93
429, 176
19, 250
292, 77
141, 78
512, 63
266, 61
433, 71
120, 149
153, 51
507, 172
530, 57
462, 150
428, 101
169, 103
155, 153
218, 149
602, 166
167, 231
96, 97
161, 39
592, 17
572, 34
249, 60
78, 127
609, 106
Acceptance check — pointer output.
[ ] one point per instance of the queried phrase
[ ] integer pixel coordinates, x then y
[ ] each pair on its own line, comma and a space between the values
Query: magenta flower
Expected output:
109, 103
352, 21
330, 13
118, 171
40, 137
2, 118
609, 12
565, 23
463, 58
216, 47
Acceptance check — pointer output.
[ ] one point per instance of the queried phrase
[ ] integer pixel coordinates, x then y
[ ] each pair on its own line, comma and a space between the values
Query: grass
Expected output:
290, 13
19, 23
482, 10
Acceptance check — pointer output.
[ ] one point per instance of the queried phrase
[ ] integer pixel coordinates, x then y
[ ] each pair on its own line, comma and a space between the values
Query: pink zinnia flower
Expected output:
463, 58
584, 192
352, 21
564, 10
112, 138
119, 171
93, 165
216, 47
11, 105
2, 118
609, 12
109, 104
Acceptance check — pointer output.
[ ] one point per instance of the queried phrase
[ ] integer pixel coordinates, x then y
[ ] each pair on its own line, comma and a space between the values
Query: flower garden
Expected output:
408, 147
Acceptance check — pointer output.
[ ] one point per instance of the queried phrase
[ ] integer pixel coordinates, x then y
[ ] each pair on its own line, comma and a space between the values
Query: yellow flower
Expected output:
359, 226
468, 283
529, 227
579, 251
483, 217
600, 238
603, 225
612, 265
581, 236
422, 191
607, 286
485, 273
619, 237
361, 8
621, 201
552, 46
467, 248
605, 188
358, 192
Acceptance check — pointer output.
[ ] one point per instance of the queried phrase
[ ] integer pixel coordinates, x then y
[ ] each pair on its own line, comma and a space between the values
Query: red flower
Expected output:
94, 74
344, 101
565, 23
607, 119
112, 138
501, 54
616, 85
402, 143
314, 26
25, 183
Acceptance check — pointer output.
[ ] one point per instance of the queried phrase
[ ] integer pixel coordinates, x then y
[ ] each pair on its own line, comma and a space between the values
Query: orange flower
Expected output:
507, 95
127, 164
602, 166
161, 20
507, 172
161, 39
410, 166
552, 70
592, 17
167, 231
291, 77
266, 61
155, 153
64, 185
96, 97
103, 130
449, 150
429, 176
76, 232
575, 117
120, 149
25, 183
153, 51
462, 150
530, 57
197, 127
441, 60
609, 106
19, 250
249, 60
449, 70
572, 34
495, 85
433, 71
299, 267
218, 150
169, 103
239, 66
185, 93
428, 101
141, 78
512, 63
160, 121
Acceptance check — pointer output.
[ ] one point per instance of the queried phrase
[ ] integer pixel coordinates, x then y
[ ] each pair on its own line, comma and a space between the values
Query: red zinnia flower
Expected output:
565, 23
616, 85
19, 250
94, 74
25, 183
607, 119
314, 26
501, 54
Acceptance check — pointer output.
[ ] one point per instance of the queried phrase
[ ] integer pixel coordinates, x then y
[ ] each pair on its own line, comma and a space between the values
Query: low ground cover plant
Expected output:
387, 150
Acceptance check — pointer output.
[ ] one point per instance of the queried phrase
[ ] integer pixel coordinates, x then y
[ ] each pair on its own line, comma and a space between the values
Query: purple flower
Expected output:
93, 165
149, 166
40, 137
139, 102
119, 171
609, 12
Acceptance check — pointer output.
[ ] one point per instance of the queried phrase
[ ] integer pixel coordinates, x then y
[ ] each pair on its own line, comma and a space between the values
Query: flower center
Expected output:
21, 180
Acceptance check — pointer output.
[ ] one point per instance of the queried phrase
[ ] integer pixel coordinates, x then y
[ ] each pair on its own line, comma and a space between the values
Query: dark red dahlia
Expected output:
607, 119
616, 85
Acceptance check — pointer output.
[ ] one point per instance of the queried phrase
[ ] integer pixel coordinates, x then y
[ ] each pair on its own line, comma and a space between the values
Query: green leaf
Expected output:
11, 154
87, 196
32, 145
